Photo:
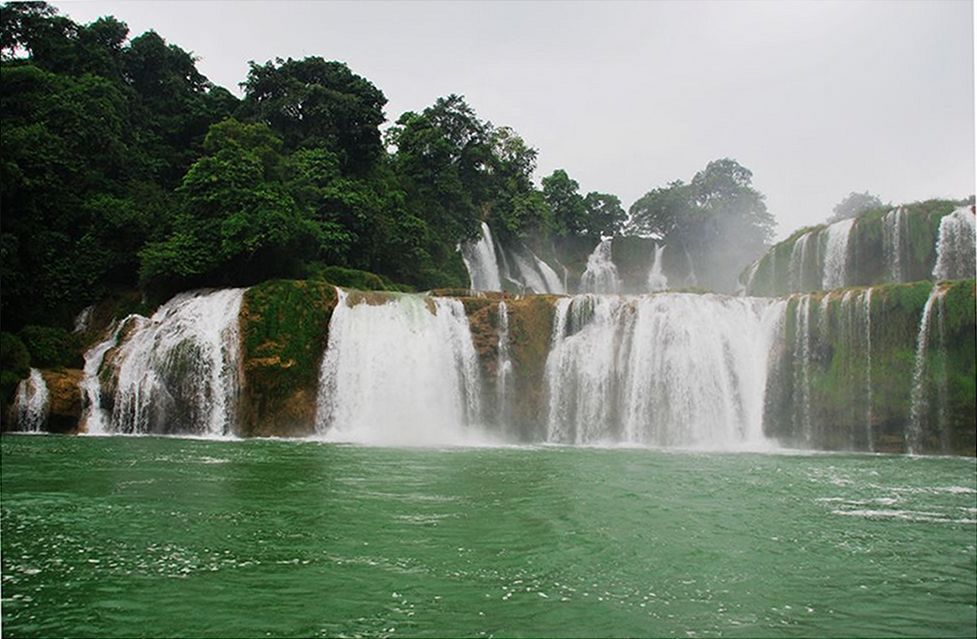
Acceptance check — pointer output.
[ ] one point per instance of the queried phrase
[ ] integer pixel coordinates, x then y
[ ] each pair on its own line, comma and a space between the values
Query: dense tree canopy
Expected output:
123, 167
718, 220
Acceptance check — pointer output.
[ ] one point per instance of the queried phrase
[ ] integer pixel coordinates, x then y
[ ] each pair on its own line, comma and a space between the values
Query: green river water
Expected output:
142, 536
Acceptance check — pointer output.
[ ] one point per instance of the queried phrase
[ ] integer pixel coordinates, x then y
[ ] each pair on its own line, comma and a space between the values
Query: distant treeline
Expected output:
123, 167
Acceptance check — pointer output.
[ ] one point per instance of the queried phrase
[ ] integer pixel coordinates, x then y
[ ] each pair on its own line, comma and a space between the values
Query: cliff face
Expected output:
284, 331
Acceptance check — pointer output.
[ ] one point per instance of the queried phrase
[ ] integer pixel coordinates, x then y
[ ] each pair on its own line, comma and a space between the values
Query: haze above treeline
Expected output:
124, 166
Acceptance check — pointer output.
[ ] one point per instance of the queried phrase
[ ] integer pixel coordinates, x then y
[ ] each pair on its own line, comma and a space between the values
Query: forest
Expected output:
125, 168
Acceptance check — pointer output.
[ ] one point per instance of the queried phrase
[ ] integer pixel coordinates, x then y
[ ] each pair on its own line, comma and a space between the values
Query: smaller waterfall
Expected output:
656, 278
178, 371
835, 270
802, 369
955, 246
32, 403
796, 271
895, 232
601, 274
536, 274
480, 260
96, 420
503, 372
404, 371
920, 396
867, 314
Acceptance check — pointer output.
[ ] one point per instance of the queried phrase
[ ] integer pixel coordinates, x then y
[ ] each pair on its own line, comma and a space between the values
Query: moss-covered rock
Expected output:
847, 382
530, 334
51, 347
284, 332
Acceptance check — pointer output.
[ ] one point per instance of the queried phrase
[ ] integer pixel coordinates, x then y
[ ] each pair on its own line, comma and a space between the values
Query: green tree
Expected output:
312, 103
237, 222
605, 215
567, 207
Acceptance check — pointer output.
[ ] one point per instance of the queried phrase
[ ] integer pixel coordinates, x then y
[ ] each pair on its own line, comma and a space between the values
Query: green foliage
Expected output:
312, 103
354, 278
284, 332
51, 347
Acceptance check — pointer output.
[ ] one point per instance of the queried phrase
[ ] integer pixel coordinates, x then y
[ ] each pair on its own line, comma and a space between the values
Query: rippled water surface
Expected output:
157, 537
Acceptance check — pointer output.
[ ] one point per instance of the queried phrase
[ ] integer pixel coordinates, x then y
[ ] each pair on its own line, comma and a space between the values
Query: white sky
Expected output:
817, 99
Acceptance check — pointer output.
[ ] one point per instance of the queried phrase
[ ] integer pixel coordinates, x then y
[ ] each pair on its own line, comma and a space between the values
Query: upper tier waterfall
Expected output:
482, 265
601, 274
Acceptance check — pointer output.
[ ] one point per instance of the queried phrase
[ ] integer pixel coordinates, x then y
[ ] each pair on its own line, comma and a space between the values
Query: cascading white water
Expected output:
601, 274
404, 371
920, 398
503, 372
867, 314
480, 259
666, 369
656, 278
32, 402
956, 245
177, 372
84, 319
537, 274
895, 230
835, 271
96, 420
802, 371
798, 262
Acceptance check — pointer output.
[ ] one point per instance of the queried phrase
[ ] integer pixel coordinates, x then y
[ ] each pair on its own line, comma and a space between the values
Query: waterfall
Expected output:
920, 397
668, 369
867, 312
83, 320
955, 246
480, 260
404, 371
798, 262
601, 274
536, 274
32, 403
895, 231
503, 371
96, 420
656, 278
178, 371
802, 369
835, 270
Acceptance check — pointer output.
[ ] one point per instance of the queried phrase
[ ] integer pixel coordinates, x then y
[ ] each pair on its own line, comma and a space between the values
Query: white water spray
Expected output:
955, 246
404, 371
835, 271
601, 274
480, 259
656, 278
32, 403
178, 370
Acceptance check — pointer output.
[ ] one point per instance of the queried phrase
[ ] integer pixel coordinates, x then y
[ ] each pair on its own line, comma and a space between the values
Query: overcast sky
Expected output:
817, 99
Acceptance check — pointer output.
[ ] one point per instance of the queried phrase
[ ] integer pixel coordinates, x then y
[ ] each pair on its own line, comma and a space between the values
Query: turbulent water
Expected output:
119, 537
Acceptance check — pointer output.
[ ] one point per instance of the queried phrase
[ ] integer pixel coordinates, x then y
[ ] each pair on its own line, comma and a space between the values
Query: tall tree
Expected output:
853, 205
312, 103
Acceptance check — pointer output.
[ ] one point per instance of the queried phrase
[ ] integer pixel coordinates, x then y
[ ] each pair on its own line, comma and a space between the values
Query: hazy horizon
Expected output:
817, 99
